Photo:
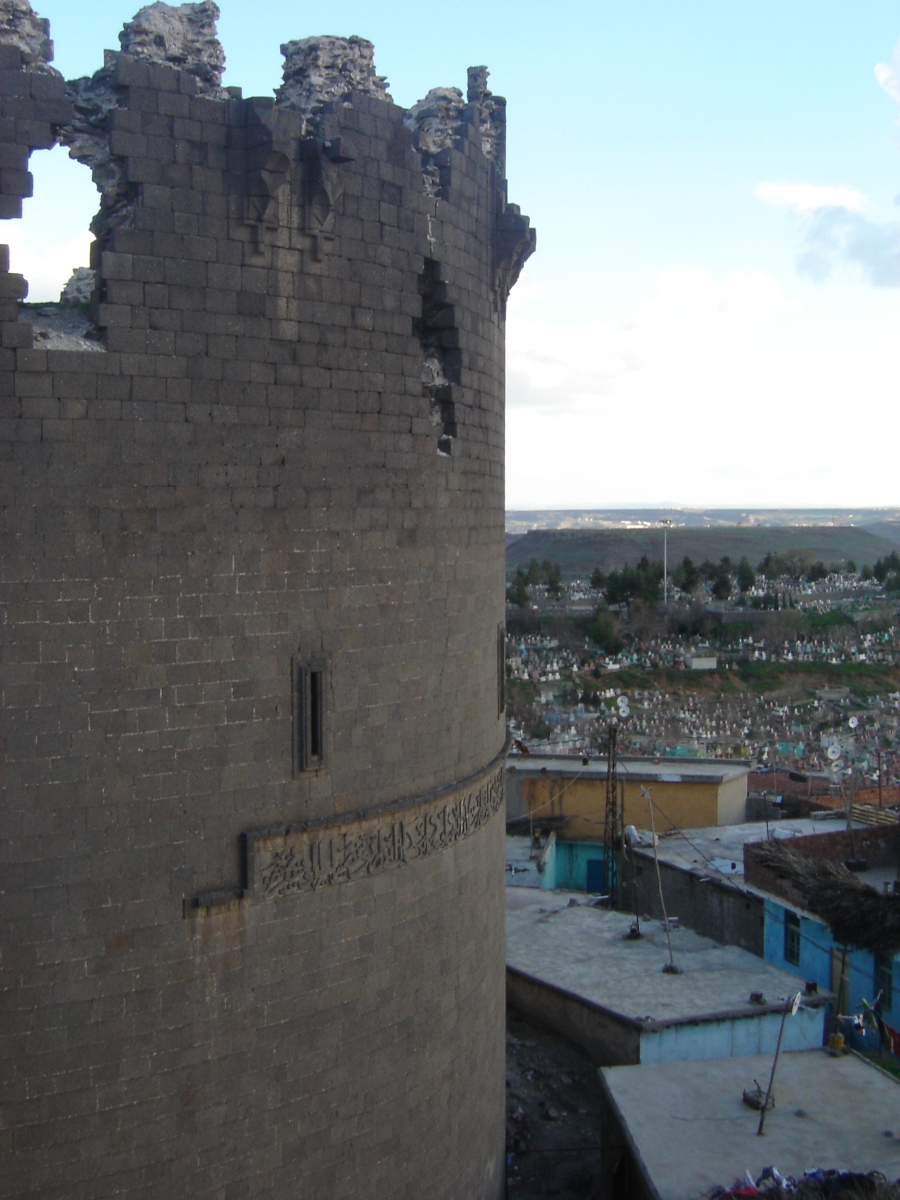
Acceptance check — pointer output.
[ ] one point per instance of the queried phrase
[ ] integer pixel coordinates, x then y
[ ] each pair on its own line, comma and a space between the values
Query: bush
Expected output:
604, 632
686, 576
643, 582
746, 576
886, 566
517, 591
816, 572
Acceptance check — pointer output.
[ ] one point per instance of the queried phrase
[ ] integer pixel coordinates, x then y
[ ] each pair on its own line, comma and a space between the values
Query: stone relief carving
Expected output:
305, 861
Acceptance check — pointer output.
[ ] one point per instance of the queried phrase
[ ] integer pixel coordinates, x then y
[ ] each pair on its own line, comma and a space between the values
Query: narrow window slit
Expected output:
308, 704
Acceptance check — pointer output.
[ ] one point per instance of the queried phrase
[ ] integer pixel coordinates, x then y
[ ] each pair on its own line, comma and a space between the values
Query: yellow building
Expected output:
570, 796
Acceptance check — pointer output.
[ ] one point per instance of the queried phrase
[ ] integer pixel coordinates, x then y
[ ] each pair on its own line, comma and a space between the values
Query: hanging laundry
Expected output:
892, 1038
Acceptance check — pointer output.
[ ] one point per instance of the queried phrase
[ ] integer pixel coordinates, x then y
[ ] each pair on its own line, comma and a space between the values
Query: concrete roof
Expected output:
583, 951
712, 849
654, 770
690, 1128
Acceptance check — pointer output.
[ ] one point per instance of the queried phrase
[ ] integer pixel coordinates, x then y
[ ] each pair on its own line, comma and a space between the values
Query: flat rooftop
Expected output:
687, 1122
583, 950
719, 849
654, 770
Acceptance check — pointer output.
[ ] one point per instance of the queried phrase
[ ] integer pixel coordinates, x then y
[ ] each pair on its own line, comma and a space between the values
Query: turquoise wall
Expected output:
566, 865
737, 1036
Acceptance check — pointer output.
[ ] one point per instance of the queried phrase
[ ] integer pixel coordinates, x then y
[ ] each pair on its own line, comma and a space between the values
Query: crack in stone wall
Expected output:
441, 365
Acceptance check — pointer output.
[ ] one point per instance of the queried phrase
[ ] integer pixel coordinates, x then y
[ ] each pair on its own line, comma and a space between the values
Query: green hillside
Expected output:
579, 551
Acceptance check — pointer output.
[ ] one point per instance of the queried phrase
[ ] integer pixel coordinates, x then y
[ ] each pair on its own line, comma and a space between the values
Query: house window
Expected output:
792, 939
308, 700
884, 980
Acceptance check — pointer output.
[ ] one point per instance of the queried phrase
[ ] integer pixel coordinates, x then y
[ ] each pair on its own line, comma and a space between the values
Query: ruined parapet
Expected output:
182, 36
28, 33
32, 99
490, 113
437, 123
322, 71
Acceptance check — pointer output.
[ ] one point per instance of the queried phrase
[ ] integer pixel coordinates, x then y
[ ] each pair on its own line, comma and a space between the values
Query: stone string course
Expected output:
249, 470
297, 861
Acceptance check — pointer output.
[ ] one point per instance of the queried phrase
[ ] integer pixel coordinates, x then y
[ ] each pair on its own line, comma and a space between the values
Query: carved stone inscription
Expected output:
305, 861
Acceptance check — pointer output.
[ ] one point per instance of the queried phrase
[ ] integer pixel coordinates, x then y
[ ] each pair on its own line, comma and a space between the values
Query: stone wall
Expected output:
723, 911
252, 584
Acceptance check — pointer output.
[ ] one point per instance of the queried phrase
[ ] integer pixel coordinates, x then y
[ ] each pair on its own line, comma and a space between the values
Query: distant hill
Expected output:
882, 521
579, 551
886, 529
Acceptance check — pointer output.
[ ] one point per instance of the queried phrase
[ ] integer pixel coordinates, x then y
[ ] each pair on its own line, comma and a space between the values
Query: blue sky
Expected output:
712, 314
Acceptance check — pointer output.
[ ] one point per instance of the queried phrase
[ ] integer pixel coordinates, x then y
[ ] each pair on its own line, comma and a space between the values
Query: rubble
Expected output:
79, 287
61, 327
327, 70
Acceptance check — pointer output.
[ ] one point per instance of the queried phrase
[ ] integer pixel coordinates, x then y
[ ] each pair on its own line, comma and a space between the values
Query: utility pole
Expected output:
611, 823
665, 525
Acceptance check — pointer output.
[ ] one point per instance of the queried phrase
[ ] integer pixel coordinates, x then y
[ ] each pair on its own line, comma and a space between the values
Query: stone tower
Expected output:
253, 665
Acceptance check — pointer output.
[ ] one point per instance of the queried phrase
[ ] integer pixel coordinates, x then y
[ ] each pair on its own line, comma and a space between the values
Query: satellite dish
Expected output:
622, 701
834, 753
853, 722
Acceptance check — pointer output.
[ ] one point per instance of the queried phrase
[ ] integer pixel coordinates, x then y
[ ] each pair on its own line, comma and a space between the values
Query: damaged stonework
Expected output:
29, 33
79, 287
32, 100
436, 123
88, 140
442, 363
183, 37
490, 114
319, 71
514, 243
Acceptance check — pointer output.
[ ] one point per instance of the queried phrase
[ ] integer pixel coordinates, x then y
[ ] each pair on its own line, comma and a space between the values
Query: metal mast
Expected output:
611, 824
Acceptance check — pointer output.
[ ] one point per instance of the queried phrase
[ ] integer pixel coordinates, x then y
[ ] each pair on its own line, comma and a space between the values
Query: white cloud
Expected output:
837, 237
690, 318
48, 263
716, 391
888, 74
805, 198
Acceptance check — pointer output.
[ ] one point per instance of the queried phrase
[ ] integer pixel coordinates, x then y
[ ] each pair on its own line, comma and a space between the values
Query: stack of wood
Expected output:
857, 914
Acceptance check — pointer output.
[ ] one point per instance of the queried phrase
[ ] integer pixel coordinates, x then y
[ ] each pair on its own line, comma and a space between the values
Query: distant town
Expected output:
703, 858
777, 661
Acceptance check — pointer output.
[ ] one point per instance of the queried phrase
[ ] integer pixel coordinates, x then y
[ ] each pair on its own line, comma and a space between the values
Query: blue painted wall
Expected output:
816, 944
566, 864
737, 1036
